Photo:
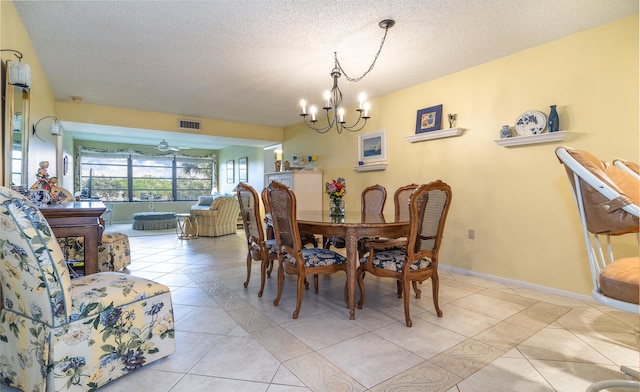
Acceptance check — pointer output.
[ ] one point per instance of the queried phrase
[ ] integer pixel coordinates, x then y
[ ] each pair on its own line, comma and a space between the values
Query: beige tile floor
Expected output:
492, 337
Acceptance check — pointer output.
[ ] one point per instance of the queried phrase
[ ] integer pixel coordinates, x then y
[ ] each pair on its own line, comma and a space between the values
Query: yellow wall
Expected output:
516, 199
13, 36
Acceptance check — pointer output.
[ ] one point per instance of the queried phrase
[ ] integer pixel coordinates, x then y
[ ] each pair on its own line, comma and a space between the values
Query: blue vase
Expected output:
554, 121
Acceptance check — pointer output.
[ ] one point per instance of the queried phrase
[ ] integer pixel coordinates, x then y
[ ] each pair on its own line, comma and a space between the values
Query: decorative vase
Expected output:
505, 132
554, 121
336, 207
39, 197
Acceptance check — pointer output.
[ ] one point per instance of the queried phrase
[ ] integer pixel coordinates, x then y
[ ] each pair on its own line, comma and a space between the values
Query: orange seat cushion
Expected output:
621, 280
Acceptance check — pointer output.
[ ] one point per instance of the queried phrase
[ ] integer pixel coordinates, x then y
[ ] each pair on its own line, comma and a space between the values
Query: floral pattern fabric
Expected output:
394, 259
114, 254
58, 334
316, 257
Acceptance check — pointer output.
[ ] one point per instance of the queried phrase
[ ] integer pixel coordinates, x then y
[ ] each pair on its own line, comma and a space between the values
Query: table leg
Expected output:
91, 241
351, 240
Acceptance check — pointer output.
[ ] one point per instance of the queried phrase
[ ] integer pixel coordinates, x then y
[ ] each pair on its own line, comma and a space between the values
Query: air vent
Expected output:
189, 124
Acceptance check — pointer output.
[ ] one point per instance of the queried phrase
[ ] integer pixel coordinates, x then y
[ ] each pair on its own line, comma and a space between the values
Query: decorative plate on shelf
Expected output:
530, 123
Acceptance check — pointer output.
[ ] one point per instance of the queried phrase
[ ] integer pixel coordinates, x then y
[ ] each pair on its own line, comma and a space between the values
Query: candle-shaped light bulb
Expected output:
304, 106
366, 106
327, 97
312, 109
362, 98
341, 112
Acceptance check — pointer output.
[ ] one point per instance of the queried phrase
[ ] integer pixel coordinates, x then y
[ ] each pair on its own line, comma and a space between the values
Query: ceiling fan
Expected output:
164, 146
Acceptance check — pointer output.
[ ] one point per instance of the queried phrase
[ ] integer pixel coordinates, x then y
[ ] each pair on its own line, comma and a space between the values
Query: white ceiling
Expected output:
252, 61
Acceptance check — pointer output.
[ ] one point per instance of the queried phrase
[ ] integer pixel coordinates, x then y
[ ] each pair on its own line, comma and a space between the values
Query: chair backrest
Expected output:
33, 272
607, 193
250, 211
282, 202
373, 199
401, 202
630, 167
607, 199
428, 209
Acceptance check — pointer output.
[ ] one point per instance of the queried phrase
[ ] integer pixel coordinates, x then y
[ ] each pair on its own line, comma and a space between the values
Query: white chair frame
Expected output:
599, 259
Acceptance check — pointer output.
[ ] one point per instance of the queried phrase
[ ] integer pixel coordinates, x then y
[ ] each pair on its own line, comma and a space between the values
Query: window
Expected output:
120, 176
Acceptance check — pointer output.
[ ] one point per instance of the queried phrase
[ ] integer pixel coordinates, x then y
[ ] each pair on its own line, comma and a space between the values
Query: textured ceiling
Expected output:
252, 61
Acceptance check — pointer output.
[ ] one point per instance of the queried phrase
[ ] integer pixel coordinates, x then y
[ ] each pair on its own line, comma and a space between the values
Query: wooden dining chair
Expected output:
258, 247
293, 258
372, 201
401, 202
415, 258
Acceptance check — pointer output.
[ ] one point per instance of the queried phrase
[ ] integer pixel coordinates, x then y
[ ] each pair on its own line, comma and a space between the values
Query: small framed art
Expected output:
242, 169
372, 146
230, 171
429, 119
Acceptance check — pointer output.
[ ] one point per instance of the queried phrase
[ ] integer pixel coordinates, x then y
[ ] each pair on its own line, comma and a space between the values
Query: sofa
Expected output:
217, 215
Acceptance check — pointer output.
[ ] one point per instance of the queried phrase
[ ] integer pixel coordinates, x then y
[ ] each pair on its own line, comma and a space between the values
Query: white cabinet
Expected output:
306, 184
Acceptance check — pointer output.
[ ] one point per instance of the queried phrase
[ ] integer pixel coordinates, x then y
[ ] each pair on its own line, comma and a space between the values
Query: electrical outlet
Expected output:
471, 234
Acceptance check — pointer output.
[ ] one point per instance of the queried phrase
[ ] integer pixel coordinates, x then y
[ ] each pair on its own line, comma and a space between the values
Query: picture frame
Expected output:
372, 147
230, 171
429, 119
242, 169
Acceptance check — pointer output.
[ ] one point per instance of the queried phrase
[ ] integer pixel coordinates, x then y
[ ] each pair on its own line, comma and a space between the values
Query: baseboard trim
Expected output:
527, 285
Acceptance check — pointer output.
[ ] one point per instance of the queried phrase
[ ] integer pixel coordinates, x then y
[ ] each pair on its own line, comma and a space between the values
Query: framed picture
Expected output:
242, 169
372, 146
65, 165
429, 119
230, 171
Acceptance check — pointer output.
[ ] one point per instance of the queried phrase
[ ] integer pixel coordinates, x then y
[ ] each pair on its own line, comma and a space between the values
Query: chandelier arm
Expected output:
312, 125
335, 56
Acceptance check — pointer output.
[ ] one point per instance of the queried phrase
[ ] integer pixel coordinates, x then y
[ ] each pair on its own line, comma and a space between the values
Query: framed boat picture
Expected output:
372, 146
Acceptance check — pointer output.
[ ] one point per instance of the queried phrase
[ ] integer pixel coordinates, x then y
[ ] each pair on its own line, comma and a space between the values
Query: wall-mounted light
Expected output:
19, 72
55, 127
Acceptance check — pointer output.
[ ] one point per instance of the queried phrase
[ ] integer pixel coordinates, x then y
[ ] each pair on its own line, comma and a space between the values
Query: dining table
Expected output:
352, 226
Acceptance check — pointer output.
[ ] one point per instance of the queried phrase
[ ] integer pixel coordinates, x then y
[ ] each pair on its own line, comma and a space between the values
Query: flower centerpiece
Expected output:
336, 189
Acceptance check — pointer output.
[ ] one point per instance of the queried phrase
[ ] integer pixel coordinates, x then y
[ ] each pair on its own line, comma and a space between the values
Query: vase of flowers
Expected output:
336, 189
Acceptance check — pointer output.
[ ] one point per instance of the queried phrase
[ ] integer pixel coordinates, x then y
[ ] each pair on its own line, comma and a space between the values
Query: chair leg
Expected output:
271, 263
405, 300
300, 291
416, 289
315, 283
263, 275
249, 261
361, 287
399, 288
435, 283
280, 283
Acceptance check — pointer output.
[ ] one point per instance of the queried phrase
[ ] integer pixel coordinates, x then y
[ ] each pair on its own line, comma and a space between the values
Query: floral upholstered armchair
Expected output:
58, 334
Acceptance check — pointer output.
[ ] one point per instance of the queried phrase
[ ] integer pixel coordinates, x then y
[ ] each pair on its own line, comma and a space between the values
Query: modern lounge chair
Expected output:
608, 200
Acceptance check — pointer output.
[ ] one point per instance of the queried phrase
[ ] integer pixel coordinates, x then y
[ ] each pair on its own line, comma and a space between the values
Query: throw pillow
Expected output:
205, 200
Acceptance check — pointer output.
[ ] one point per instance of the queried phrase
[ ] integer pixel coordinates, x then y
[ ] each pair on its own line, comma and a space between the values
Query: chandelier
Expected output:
333, 98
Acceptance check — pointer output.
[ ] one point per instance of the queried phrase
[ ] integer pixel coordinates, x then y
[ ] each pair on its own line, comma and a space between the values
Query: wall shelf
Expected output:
371, 167
420, 137
533, 139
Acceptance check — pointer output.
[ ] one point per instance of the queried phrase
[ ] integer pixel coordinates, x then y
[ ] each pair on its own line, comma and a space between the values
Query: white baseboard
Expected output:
527, 285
